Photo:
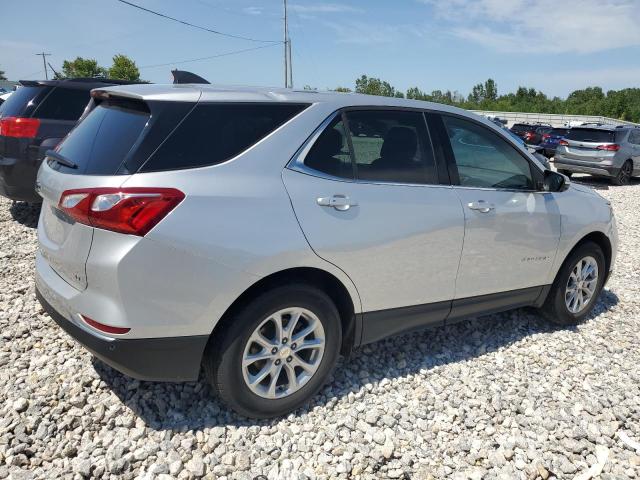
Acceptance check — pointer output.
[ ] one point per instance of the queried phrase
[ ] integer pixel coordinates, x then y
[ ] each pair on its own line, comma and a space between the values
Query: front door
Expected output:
511, 230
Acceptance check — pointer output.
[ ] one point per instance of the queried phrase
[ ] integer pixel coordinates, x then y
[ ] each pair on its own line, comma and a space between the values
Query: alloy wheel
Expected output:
582, 284
283, 353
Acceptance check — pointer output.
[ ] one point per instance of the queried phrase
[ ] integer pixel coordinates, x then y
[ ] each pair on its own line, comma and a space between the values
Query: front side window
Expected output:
485, 160
391, 146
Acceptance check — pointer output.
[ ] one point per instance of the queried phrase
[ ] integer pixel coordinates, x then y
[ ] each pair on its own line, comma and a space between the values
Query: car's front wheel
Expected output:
577, 285
276, 352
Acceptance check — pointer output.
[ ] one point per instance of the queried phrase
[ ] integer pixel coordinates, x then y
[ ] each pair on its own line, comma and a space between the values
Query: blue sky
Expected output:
553, 45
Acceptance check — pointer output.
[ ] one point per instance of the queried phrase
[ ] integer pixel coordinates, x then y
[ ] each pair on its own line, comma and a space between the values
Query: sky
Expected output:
552, 45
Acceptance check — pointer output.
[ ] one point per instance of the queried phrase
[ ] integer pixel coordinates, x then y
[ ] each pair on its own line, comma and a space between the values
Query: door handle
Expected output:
339, 202
481, 206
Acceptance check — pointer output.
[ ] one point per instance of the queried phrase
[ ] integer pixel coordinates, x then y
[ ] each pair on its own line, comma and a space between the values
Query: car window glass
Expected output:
330, 152
484, 159
391, 146
22, 102
215, 132
63, 104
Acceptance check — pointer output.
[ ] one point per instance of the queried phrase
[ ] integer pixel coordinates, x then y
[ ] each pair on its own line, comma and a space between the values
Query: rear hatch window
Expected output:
23, 101
559, 132
123, 136
592, 135
519, 127
63, 104
101, 142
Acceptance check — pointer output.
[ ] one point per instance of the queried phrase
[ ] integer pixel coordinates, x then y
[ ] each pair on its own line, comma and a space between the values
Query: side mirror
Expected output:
555, 182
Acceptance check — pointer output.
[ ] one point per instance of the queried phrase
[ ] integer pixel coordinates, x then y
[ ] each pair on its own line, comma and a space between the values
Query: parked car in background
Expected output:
530, 133
260, 232
604, 150
550, 141
536, 150
34, 119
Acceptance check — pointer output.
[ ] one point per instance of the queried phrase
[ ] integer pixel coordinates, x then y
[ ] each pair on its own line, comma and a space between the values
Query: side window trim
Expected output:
453, 168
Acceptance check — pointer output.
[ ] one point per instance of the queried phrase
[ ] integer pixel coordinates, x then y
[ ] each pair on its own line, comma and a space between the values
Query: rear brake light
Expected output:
612, 147
545, 136
126, 210
104, 328
564, 143
19, 127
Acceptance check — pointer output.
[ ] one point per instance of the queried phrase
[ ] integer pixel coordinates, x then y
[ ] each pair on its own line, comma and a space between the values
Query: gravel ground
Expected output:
502, 397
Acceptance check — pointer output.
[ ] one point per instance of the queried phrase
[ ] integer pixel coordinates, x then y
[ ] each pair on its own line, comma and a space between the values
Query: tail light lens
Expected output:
564, 143
19, 127
545, 136
529, 134
134, 211
104, 328
612, 147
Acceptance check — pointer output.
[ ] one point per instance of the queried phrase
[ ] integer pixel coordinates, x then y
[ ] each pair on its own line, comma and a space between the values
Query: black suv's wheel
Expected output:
624, 175
566, 173
577, 285
276, 352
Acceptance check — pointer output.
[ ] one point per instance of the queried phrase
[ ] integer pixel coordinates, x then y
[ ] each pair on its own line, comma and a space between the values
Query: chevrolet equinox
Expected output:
260, 233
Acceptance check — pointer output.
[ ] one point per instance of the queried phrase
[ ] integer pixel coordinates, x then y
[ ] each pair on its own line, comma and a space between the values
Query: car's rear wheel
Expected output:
577, 286
624, 175
566, 173
276, 352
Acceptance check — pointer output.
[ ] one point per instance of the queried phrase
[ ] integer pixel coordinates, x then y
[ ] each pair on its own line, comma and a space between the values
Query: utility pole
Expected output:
44, 62
286, 47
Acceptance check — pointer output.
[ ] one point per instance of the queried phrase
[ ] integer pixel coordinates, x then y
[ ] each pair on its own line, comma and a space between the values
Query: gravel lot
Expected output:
502, 397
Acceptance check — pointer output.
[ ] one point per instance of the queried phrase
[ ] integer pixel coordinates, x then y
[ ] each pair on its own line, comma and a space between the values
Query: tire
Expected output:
555, 307
566, 173
223, 360
624, 175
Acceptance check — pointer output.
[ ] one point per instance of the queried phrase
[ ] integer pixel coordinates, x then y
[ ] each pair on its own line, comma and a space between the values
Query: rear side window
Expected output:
101, 142
391, 146
63, 104
591, 135
213, 133
330, 154
23, 101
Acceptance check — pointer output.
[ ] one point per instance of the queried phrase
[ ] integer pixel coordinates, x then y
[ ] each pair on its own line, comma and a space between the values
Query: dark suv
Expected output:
34, 119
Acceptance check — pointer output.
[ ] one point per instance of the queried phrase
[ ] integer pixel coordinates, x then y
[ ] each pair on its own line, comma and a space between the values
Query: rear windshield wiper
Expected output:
61, 159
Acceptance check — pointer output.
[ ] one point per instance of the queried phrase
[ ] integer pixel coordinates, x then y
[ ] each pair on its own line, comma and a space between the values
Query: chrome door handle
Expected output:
339, 202
481, 206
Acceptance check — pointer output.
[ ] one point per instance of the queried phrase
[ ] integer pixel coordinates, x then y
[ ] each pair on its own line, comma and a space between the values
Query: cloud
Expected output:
361, 33
253, 10
565, 81
576, 26
324, 8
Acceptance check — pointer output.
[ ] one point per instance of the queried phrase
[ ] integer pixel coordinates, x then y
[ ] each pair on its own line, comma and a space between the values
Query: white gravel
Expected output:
506, 396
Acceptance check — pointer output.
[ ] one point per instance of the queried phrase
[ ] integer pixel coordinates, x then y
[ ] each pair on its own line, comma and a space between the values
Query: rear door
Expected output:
94, 152
511, 229
367, 196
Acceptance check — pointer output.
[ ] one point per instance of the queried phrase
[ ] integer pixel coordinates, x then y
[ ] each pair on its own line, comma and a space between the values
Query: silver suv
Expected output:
602, 150
260, 233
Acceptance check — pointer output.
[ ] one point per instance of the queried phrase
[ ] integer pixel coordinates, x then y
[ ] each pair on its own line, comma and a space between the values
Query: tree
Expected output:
375, 86
2, 76
82, 67
124, 68
491, 90
342, 89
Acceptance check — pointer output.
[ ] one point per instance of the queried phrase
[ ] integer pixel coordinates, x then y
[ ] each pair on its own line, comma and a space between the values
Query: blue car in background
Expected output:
535, 149
550, 141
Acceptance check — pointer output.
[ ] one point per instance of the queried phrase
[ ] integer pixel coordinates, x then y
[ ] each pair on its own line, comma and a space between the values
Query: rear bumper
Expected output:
157, 359
578, 166
18, 179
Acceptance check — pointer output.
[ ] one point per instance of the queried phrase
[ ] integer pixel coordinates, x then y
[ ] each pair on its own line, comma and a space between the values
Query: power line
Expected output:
196, 26
208, 58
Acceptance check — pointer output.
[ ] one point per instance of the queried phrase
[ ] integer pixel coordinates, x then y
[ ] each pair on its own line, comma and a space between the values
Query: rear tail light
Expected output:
564, 143
19, 127
545, 136
126, 210
104, 328
612, 147
529, 134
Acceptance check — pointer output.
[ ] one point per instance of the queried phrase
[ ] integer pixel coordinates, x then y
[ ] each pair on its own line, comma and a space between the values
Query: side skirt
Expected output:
385, 323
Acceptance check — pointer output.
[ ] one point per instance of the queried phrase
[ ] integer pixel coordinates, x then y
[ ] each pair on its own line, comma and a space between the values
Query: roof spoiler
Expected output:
182, 76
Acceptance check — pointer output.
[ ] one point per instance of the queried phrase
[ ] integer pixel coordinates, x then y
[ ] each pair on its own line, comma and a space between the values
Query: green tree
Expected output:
375, 86
82, 67
342, 89
491, 90
2, 76
124, 68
